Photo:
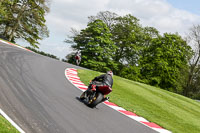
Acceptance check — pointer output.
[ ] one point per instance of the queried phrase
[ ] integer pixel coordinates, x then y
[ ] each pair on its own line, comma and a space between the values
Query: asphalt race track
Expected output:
36, 95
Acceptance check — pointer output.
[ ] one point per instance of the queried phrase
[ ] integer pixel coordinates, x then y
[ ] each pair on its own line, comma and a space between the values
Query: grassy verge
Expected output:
171, 111
6, 127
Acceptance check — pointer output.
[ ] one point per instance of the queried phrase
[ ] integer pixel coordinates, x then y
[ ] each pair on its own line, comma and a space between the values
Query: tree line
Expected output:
123, 45
43, 53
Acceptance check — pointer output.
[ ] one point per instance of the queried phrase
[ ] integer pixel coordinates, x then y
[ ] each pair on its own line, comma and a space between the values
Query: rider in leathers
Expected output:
103, 80
78, 57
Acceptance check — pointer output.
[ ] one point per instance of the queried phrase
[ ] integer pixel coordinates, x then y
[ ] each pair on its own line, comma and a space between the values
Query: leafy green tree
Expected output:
130, 38
24, 19
2, 12
131, 72
5, 15
125, 33
96, 46
132, 69
164, 60
125, 36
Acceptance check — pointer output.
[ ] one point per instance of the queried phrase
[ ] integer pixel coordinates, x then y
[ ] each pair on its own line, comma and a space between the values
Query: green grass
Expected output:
6, 127
169, 110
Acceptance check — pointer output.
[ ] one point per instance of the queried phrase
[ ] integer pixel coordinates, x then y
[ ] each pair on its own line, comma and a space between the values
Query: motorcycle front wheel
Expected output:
96, 100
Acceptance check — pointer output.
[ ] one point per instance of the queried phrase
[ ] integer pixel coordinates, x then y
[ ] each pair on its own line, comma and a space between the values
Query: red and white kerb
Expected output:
9, 43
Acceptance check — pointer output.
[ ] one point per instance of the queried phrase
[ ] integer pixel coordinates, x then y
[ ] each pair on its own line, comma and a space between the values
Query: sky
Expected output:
165, 15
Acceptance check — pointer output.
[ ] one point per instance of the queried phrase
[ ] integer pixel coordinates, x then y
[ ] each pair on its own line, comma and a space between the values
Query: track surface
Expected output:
35, 94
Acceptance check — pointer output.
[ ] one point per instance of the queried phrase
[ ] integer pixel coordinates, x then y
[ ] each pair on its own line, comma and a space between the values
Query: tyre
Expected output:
95, 100
83, 95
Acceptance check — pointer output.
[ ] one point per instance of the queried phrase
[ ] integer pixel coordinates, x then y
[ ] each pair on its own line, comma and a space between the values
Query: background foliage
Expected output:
122, 44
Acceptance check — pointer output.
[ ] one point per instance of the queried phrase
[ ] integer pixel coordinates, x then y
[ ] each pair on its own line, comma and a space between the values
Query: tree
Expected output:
143, 41
4, 16
193, 39
106, 16
194, 88
2, 9
96, 46
125, 36
130, 38
24, 19
164, 61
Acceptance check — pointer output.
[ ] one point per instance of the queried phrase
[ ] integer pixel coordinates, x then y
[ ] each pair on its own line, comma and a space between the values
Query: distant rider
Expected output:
78, 57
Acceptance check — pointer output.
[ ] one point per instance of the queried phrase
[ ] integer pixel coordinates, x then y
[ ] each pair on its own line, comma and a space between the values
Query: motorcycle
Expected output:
95, 96
77, 59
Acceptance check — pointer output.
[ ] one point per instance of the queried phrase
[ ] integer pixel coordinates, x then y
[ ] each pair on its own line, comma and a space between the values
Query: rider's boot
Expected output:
105, 99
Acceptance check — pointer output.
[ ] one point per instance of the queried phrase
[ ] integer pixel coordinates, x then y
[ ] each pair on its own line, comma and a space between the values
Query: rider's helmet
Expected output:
110, 73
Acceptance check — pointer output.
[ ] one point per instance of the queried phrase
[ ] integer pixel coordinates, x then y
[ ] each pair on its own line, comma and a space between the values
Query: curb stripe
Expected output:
79, 86
151, 124
79, 83
72, 79
71, 75
109, 103
82, 88
9, 43
127, 112
137, 118
117, 108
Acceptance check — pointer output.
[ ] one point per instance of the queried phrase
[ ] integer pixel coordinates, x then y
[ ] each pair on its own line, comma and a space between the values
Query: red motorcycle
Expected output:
95, 96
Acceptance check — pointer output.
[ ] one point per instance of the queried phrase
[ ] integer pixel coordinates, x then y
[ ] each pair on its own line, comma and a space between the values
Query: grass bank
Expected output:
6, 127
174, 112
